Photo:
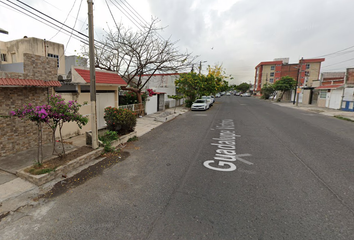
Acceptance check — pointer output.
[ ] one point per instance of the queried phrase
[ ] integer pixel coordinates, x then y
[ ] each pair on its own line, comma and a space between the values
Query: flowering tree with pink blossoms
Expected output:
62, 112
54, 114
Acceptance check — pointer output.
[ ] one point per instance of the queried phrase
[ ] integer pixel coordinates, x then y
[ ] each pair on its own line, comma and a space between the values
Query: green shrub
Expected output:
189, 103
107, 139
109, 136
119, 120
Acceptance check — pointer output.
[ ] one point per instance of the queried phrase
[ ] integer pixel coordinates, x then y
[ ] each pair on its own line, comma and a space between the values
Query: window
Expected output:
54, 56
307, 73
271, 80
307, 66
323, 93
272, 68
3, 57
13, 57
272, 74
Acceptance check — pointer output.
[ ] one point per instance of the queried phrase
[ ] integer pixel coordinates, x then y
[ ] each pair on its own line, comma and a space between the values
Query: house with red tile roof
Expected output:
77, 87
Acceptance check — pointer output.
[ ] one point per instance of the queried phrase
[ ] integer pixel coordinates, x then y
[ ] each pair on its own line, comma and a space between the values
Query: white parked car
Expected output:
200, 104
209, 99
246, 94
213, 98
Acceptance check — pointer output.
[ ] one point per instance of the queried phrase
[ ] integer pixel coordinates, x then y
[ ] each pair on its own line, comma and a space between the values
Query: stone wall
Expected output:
35, 67
39, 67
20, 134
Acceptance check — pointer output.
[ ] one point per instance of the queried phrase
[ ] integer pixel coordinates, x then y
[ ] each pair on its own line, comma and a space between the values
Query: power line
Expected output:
44, 21
336, 52
134, 16
67, 16
83, 38
126, 14
47, 17
338, 63
135, 13
77, 16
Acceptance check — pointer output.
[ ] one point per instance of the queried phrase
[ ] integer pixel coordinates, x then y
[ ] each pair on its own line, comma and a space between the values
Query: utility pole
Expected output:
92, 77
298, 82
200, 66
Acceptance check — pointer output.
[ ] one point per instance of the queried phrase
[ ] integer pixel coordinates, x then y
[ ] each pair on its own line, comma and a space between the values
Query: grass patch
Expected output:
344, 118
52, 164
34, 171
133, 139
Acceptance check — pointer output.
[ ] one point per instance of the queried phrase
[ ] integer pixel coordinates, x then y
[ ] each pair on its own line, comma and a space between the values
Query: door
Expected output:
103, 100
335, 98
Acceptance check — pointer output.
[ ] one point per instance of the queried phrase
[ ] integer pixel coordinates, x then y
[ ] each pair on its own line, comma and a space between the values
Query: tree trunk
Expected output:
138, 94
281, 96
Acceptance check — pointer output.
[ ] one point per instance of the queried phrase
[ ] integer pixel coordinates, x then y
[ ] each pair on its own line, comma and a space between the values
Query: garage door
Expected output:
335, 98
103, 100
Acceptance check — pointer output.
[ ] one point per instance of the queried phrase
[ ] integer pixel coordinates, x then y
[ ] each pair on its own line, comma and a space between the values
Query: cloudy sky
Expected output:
238, 34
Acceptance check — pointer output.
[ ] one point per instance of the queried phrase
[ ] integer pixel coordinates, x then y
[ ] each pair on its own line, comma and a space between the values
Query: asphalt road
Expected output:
245, 169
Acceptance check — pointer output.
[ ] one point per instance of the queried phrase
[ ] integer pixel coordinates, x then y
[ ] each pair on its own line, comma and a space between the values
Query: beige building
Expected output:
77, 88
11, 53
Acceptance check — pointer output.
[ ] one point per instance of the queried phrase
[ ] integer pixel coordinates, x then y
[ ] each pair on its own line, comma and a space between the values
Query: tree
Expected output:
217, 71
176, 98
193, 86
267, 90
54, 114
188, 85
137, 56
243, 87
286, 83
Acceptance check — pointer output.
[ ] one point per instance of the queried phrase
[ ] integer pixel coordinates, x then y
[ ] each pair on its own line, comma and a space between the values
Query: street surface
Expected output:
245, 169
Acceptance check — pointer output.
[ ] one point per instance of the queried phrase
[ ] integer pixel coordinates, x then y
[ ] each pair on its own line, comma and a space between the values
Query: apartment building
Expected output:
305, 71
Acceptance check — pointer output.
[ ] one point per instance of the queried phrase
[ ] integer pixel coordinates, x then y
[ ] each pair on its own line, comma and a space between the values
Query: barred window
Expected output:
54, 56
323, 93
3, 57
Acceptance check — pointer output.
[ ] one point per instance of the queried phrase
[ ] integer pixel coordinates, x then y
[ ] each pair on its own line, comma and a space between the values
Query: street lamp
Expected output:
200, 66
3, 31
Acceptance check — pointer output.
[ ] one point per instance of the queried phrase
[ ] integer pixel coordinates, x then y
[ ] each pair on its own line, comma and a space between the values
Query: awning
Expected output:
334, 86
15, 82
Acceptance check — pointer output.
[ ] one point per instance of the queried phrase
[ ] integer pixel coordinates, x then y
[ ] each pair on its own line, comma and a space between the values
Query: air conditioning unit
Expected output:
63, 78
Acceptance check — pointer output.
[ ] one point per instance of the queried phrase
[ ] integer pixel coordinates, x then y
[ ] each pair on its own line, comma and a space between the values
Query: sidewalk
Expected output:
16, 192
319, 110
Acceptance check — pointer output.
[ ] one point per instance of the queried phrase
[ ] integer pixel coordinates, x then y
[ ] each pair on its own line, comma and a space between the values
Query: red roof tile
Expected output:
334, 86
28, 82
102, 77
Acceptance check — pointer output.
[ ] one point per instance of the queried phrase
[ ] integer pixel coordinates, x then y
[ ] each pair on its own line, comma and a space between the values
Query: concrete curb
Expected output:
62, 170
20, 191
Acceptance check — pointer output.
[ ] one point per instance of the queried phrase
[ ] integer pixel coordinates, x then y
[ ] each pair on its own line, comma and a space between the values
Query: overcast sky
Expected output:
236, 33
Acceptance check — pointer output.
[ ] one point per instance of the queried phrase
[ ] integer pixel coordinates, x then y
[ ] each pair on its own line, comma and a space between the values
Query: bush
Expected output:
107, 139
120, 120
189, 103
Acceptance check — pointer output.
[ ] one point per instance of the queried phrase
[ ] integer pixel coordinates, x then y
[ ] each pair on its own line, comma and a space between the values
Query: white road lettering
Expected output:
226, 152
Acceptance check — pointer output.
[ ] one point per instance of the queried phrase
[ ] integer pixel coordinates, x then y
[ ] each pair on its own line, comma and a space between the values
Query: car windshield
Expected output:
200, 101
